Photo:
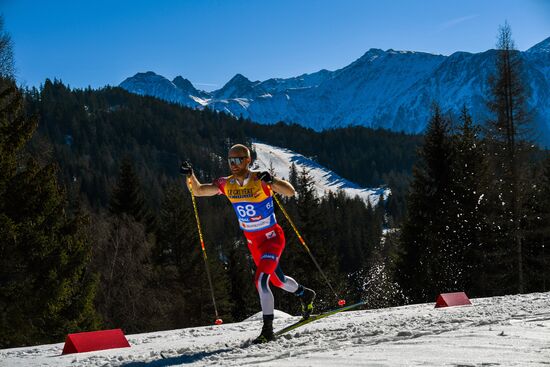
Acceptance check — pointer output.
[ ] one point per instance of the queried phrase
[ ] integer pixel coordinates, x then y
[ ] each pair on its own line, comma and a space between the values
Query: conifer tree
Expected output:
542, 252
293, 175
128, 296
468, 207
537, 226
508, 134
425, 235
307, 202
176, 228
179, 246
240, 272
308, 218
6, 53
127, 197
45, 288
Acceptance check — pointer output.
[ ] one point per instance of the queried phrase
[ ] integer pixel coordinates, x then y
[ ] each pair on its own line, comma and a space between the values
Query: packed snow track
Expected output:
498, 331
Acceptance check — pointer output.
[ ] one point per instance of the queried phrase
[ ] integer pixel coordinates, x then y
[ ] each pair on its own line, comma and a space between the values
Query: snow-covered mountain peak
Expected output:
141, 81
239, 86
541, 47
460, 54
180, 90
187, 88
387, 89
321, 74
148, 75
370, 55
184, 84
238, 79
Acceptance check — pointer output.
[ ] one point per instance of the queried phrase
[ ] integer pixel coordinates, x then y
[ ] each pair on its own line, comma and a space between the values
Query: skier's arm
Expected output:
282, 187
199, 189
192, 183
279, 186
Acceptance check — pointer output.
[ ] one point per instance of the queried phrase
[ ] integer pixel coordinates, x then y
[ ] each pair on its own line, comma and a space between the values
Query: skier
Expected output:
250, 193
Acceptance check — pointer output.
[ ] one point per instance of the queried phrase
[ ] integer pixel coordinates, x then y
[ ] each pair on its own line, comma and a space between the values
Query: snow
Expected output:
201, 101
259, 316
498, 331
280, 159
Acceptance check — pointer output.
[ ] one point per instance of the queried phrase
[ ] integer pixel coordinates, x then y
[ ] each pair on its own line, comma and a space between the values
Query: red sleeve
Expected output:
266, 189
220, 182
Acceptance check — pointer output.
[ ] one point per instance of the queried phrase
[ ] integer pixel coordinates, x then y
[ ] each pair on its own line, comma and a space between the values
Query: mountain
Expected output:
179, 90
388, 89
279, 160
497, 331
238, 87
541, 47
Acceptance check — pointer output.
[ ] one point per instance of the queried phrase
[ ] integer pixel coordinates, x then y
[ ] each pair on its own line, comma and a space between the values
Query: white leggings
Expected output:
266, 296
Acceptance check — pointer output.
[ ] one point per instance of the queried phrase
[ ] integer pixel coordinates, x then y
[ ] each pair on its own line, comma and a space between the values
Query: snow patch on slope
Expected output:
280, 159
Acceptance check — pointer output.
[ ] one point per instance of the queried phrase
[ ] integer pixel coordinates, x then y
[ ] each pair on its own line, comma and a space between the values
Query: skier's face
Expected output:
238, 162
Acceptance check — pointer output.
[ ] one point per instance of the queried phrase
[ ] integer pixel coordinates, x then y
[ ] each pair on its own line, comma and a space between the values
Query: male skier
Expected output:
251, 194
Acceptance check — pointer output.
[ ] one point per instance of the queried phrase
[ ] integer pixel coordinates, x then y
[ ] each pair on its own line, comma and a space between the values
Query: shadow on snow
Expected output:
177, 360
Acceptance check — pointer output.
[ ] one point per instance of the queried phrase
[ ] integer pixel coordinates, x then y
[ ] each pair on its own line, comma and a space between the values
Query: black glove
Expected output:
186, 169
266, 177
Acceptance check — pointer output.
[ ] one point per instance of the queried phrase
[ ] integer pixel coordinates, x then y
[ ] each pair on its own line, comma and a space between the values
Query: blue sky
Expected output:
97, 43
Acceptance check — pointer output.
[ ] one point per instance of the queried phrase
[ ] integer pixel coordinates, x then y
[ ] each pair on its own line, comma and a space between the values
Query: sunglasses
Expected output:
236, 160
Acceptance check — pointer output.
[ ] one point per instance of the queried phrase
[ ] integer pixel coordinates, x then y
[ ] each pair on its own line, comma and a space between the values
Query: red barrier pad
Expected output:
95, 340
452, 299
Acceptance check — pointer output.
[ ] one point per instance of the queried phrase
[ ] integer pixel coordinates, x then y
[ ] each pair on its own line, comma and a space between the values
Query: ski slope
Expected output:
280, 159
498, 331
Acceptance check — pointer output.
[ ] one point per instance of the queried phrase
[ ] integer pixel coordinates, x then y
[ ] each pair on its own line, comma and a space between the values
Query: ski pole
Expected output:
341, 302
218, 320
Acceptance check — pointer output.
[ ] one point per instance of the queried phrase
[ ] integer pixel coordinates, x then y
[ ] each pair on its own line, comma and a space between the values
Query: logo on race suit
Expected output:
269, 256
256, 218
232, 181
239, 193
271, 234
257, 224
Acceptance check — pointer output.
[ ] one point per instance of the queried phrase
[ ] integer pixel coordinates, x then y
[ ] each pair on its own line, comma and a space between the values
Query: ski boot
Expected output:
267, 331
306, 297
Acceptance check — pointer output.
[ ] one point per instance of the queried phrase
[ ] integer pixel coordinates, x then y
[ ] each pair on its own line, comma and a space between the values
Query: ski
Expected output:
313, 318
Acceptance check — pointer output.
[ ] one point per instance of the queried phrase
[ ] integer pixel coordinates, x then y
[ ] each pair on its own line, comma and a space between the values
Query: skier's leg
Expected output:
266, 256
305, 295
254, 252
267, 302
280, 280
266, 296
276, 243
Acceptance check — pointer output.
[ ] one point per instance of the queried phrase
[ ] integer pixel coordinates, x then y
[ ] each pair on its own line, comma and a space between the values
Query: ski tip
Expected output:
341, 302
218, 322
